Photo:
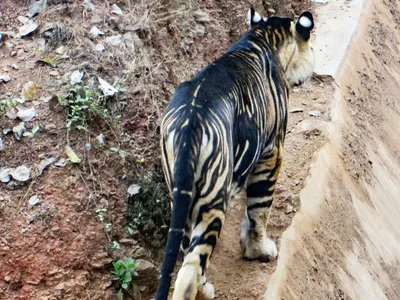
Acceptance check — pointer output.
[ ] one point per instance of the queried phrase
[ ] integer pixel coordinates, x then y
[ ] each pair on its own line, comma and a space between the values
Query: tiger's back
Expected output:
223, 131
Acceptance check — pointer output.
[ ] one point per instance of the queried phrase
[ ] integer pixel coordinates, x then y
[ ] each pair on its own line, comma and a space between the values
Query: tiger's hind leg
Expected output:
207, 228
186, 239
254, 241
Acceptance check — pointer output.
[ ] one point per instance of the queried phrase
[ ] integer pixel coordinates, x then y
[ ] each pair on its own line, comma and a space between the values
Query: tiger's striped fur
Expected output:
224, 131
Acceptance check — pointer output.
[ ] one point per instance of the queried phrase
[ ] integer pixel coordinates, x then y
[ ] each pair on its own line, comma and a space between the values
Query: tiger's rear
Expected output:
224, 131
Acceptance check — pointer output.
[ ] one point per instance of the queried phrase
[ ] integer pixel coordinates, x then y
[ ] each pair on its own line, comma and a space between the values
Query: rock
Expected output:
76, 77
100, 260
116, 10
1, 143
5, 175
45, 163
106, 88
133, 189
23, 19
128, 41
15, 66
47, 27
127, 242
201, 16
36, 7
29, 91
296, 110
53, 102
26, 113
12, 113
5, 78
60, 286
20, 52
315, 113
289, 209
96, 32
62, 162
89, 5
116, 23
54, 73
114, 40
22, 173
312, 124
320, 1
199, 31
99, 48
100, 138
27, 29
33, 200
13, 53
142, 288
96, 19
148, 274
50, 126
60, 50
141, 253
19, 130
7, 130
271, 10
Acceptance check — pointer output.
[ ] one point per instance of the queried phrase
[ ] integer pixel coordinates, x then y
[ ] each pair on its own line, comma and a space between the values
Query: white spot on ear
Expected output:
305, 22
256, 17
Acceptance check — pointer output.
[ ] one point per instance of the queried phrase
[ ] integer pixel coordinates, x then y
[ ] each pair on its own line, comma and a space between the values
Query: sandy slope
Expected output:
344, 243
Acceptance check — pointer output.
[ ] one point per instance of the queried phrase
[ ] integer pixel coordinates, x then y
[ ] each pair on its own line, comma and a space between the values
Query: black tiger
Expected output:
224, 131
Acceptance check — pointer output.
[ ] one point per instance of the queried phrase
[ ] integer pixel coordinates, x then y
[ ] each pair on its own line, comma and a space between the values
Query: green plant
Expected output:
53, 61
82, 107
149, 211
5, 105
123, 273
35, 129
100, 213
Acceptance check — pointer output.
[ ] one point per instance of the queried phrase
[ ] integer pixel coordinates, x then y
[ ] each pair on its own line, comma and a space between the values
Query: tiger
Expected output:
222, 132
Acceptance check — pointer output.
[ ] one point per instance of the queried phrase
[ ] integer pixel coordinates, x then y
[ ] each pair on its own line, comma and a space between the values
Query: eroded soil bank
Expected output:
344, 243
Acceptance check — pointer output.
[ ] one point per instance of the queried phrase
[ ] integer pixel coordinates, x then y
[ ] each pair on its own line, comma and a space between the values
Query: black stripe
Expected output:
260, 189
203, 262
265, 204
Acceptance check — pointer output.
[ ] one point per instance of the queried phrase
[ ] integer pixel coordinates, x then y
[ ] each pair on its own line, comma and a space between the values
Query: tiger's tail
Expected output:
183, 187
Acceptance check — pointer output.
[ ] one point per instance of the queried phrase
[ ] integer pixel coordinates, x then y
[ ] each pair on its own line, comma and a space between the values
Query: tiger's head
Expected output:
291, 40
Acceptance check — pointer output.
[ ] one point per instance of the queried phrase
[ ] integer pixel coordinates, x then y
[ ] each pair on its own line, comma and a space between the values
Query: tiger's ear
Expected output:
304, 25
253, 17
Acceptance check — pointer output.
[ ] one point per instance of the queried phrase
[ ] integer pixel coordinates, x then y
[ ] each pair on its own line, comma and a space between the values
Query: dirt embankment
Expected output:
344, 243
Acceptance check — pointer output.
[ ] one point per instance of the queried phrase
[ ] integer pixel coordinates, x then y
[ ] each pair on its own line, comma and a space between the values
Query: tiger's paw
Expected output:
207, 290
255, 245
264, 250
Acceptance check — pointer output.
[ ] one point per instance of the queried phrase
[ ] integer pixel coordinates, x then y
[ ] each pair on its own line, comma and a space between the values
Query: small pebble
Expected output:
289, 209
315, 113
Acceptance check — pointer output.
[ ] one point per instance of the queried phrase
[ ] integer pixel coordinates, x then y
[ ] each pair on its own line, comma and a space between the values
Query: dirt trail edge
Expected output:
344, 243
